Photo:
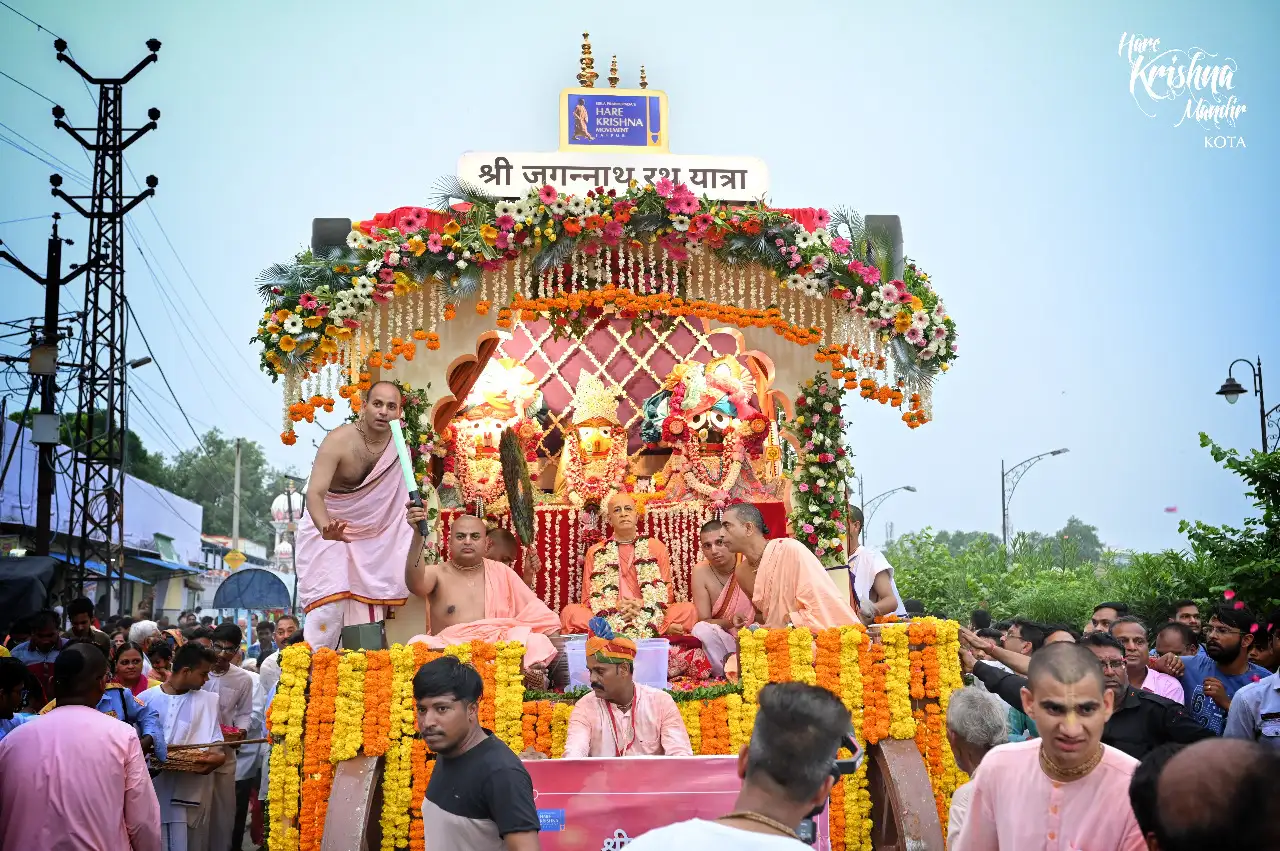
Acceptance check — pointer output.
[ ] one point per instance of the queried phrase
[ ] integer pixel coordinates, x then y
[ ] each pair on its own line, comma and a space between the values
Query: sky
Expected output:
1103, 265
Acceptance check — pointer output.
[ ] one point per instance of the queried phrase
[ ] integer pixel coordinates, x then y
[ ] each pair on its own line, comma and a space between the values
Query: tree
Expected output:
1078, 540
72, 431
207, 475
957, 542
1251, 554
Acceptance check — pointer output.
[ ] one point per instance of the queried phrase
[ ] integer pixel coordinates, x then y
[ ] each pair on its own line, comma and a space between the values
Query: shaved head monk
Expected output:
470, 597
351, 541
616, 573
1065, 787
723, 607
785, 582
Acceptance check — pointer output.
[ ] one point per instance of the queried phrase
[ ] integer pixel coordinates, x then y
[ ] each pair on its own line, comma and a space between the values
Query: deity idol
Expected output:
505, 396
709, 417
594, 459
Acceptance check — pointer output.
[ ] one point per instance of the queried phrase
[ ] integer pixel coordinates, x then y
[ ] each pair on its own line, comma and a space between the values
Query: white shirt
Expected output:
696, 833
187, 719
249, 757
865, 566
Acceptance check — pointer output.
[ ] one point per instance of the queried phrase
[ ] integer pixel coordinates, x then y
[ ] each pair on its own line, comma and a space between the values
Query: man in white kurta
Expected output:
234, 689
189, 716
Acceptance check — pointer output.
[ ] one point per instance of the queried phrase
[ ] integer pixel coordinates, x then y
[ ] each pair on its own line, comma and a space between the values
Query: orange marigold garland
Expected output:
317, 770
543, 739
422, 767
778, 650
484, 658
377, 702
713, 721
529, 724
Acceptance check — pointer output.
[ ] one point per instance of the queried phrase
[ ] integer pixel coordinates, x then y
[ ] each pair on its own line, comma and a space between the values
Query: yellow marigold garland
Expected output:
288, 712
559, 729
397, 777
738, 735
692, 723
753, 665
897, 677
509, 693
855, 792
317, 770
348, 724
800, 646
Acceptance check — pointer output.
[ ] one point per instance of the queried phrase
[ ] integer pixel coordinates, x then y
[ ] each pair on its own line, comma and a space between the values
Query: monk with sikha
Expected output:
626, 580
473, 598
723, 607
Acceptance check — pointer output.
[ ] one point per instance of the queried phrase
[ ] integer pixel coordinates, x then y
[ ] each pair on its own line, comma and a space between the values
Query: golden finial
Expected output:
587, 76
613, 73
644, 84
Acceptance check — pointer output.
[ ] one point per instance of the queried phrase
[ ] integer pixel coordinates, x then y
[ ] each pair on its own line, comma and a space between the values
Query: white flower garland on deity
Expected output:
698, 477
605, 585
584, 489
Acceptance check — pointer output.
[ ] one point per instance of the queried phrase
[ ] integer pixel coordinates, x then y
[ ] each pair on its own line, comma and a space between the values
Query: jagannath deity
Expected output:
594, 459
711, 416
505, 396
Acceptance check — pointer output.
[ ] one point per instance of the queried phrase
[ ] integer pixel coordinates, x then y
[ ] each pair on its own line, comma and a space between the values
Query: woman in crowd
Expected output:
118, 636
127, 662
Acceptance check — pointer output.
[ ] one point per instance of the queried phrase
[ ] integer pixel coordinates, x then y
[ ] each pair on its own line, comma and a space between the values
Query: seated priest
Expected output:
787, 584
626, 580
621, 717
723, 608
470, 597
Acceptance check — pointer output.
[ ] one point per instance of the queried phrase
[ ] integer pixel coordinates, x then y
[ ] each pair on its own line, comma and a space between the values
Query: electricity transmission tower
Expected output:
97, 489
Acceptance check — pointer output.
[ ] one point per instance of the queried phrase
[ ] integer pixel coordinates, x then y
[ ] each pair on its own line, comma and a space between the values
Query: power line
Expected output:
27, 219
28, 88
72, 170
36, 24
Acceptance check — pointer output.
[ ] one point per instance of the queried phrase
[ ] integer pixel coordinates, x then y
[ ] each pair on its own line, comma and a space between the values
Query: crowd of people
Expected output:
185, 770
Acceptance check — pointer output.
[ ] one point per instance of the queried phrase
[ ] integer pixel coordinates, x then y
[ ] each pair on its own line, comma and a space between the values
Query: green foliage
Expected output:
207, 478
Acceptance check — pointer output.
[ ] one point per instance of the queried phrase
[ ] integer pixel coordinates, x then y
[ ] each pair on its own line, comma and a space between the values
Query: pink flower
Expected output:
822, 219
501, 242
804, 488
840, 526
808, 527
351, 323
664, 187
387, 274
612, 231
322, 311
380, 297
915, 336
819, 551
819, 263
1228, 594
1238, 604
434, 245
391, 258
505, 222
840, 245
547, 194
451, 256
686, 203
307, 301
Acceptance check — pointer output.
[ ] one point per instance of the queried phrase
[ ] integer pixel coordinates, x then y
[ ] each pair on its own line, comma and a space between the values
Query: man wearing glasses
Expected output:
1210, 681
234, 688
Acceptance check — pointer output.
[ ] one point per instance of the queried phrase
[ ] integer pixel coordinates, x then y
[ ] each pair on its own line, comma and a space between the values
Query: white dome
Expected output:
280, 506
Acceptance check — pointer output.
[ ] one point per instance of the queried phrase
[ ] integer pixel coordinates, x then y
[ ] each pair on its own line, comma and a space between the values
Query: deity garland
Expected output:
605, 581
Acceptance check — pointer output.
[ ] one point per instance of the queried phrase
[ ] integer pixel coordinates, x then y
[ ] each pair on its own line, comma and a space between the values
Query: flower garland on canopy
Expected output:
288, 715
605, 581
320, 309
822, 471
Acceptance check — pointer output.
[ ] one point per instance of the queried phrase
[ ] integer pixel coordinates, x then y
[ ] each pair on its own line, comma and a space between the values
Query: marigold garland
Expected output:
348, 725
317, 770
543, 740
692, 723
509, 693
738, 736
778, 649
397, 776
288, 712
422, 767
902, 724
800, 646
377, 701
560, 729
484, 658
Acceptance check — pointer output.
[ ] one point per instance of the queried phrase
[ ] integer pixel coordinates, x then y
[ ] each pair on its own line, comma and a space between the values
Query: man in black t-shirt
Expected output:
480, 797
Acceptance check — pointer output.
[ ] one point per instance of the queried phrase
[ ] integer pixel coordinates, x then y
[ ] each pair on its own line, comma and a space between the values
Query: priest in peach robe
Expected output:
473, 598
786, 582
723, 608
627, 581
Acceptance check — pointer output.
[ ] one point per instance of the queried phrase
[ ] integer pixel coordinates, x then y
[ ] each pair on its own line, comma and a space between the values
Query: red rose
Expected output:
813, 539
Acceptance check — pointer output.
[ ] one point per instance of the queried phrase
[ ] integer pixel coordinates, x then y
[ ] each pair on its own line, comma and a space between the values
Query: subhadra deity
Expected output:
505, 396
719, 438
593, 461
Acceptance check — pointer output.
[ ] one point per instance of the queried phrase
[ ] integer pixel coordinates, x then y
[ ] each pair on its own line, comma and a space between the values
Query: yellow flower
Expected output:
313, 322
451, 228
417, 246
287, 343
916, 303
489, 234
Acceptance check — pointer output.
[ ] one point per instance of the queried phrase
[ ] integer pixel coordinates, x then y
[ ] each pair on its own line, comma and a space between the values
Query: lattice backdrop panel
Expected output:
636, 362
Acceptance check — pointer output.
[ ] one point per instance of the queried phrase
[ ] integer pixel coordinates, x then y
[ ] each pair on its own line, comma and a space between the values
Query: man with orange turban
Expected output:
621, 717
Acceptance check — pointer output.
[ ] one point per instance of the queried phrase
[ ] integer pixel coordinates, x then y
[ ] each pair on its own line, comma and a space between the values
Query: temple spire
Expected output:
644, 83
613, 73
587, 75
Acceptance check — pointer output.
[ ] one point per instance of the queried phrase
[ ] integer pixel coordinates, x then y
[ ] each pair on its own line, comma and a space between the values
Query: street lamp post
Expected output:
1006, 487
869, 506
1231, 390
295, 481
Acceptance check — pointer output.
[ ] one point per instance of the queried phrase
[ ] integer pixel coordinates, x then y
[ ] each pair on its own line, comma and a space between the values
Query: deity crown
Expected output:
592, 400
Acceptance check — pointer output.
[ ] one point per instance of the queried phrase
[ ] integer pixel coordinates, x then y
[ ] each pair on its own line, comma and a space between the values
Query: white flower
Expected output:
927, 352
293, 325
461, 264
680, 223
821, 483
803, 238
505, 208
940, 312
466, 255
576, 206
889, 293
812, 287
888, 310
828, 407
815, 508
836, 543
373, 266
424, 422
520, 210
920, 319
823, 236
592, 207
817, 471
356, 239
361, 286
795, 282
558, 207
531, 197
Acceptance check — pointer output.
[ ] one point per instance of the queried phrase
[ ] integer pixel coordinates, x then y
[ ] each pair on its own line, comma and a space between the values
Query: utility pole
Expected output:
235, 503
97, 491
45, 427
